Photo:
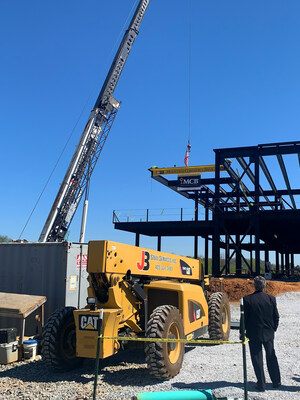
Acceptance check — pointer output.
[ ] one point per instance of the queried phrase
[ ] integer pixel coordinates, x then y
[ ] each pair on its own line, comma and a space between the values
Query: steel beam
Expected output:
267, 174
216, 218
277, 262
137, 239
158, 243
251, 176
268, 149
235, 186
238, 257
280, 193
286, 178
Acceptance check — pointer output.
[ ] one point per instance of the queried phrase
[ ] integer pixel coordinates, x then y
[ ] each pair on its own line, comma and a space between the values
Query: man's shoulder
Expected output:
263, 298
257, 295
266, 295
248, 297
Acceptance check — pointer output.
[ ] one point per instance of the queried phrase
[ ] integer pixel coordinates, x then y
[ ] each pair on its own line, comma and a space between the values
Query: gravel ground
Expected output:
205, 367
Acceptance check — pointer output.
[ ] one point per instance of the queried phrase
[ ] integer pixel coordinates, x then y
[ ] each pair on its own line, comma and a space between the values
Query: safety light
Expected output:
92, 302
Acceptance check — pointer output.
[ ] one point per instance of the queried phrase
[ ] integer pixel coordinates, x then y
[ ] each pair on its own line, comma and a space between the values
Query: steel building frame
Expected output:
247, 210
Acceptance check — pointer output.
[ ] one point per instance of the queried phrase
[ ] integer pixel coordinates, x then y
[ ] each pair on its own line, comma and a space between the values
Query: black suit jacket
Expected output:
261, 316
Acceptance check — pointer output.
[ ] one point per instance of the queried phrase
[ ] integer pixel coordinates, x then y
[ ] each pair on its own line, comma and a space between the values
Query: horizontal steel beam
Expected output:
267, 149
280, 193
203, 181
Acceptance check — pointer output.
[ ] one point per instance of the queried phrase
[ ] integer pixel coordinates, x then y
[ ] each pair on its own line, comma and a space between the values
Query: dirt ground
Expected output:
236, 288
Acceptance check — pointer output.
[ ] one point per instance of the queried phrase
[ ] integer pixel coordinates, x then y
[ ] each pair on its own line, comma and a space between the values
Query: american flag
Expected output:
186, 158
187, 154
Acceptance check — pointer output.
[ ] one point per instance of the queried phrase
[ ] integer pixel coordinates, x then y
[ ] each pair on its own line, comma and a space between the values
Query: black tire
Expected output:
59, 341
219, 316
164, 359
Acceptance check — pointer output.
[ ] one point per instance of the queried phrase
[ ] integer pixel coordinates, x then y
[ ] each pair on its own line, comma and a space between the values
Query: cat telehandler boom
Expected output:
143, 293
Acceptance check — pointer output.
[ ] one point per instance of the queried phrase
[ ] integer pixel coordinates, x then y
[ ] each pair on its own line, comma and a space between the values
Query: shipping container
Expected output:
55, 270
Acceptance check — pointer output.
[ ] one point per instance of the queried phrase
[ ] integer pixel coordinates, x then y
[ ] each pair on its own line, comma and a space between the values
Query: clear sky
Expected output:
245, 90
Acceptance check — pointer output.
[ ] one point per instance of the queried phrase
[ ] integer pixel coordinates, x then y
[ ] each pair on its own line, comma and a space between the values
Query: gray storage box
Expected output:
54, 270
8, 352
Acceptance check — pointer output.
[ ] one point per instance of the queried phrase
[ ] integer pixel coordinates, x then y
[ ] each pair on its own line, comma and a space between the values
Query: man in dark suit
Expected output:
261, 321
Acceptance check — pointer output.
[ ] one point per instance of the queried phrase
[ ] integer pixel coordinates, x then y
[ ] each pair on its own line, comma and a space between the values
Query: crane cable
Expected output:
188, 147
77, 121
189, 65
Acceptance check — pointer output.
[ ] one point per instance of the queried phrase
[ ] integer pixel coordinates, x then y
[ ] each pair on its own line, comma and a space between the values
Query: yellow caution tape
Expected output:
166, 340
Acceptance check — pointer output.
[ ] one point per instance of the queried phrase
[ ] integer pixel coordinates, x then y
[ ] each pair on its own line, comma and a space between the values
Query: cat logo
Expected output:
88, 323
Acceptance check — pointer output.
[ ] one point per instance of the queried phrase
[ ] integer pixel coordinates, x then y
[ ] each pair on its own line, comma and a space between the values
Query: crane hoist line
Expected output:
92, 140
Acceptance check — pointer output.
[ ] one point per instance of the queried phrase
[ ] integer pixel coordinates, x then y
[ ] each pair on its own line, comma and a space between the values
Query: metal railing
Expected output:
157, 214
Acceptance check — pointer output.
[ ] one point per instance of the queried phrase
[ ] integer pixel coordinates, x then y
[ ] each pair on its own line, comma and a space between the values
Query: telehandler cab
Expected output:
143, 293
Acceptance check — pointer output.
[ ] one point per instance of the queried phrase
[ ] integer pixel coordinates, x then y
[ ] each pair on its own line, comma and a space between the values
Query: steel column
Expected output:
238, 257
227, 262
251, 254
266, 259
137, 239
277, 262
206, 242
196, 247
158, 243
287, 264
196, 219
256, 208
216, 271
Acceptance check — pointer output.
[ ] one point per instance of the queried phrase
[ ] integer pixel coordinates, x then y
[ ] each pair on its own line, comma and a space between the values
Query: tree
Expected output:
4, 239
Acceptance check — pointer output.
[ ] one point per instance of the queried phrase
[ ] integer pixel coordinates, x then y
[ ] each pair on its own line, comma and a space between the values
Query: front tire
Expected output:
165, 359
219, 316
59, 341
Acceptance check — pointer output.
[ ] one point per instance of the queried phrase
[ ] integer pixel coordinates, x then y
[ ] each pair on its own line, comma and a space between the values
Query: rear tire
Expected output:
59, 341
165, 359
219, 316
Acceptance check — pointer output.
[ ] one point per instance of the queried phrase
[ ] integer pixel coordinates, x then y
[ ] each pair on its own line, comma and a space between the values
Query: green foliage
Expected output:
4, 239
232, 265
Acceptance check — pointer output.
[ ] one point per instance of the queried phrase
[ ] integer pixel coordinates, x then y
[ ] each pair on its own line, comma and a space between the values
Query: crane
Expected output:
92, 140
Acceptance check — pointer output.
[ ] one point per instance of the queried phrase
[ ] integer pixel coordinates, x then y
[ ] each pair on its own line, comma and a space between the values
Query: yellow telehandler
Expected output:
143, 293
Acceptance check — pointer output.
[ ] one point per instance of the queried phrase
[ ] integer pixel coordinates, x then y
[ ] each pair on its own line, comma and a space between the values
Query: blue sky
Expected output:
54, 58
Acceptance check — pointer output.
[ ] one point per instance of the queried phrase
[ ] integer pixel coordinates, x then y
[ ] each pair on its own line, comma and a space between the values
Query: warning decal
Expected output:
83, 261
185, 268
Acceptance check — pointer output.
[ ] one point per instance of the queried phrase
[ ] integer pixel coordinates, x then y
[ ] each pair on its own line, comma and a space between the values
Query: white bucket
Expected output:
29, 349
